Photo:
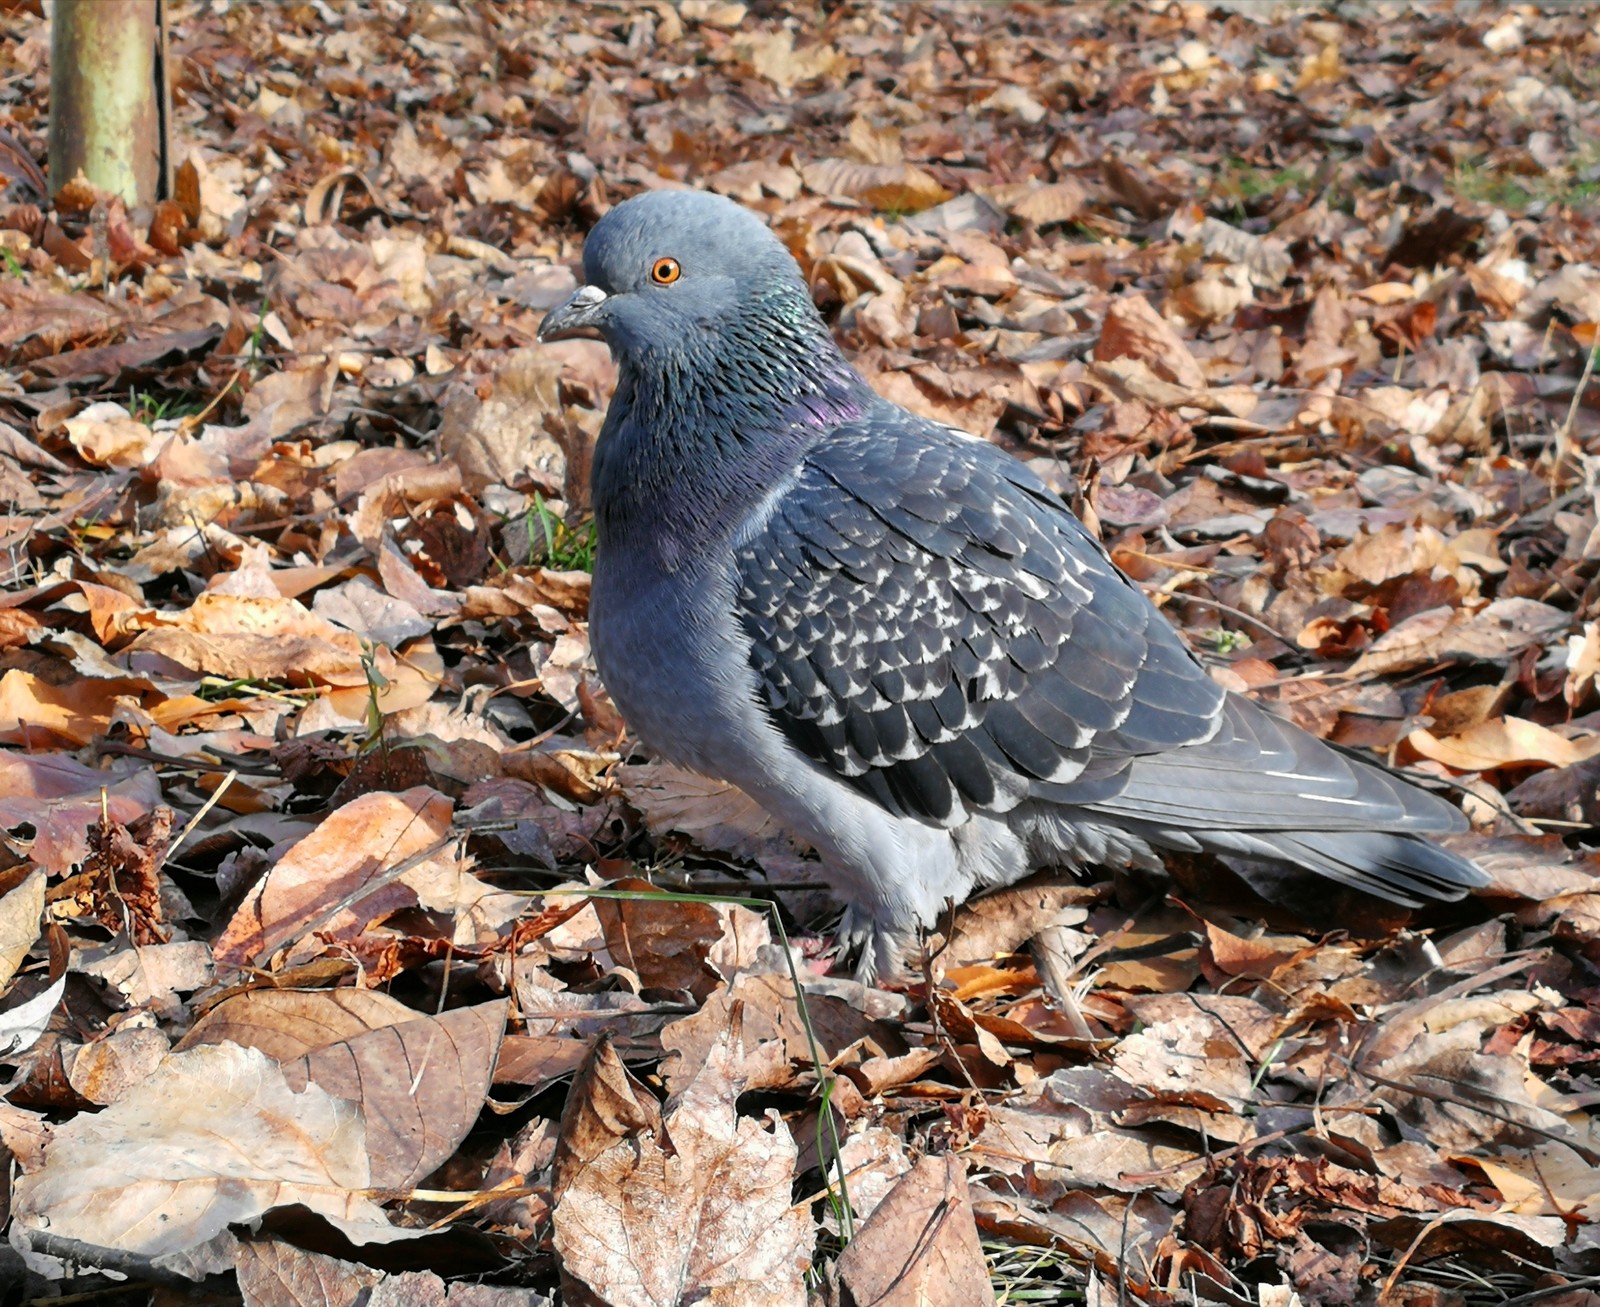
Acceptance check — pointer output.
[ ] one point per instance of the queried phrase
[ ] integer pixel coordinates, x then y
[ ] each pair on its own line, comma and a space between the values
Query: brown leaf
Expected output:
1232, 955
1134, 330
774, 1035
700, 1208
420, 1085
674, 945
247, 636
1003, 921
214, 1136
1059, 201
715, 815
1505, 742
34, 713
535, 1062
1493, 634
20, 911
286, 1024
1570, 793
493, 427
107, 1068
347, 860
605, 1107
271, 1272
920, 1247
901, 187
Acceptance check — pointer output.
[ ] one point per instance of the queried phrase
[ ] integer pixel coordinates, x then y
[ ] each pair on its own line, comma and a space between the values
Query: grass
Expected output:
565, 548
1221, 639
1239, 180
149, 406
1021, 1273
1244, 186
216, 689
1516, 192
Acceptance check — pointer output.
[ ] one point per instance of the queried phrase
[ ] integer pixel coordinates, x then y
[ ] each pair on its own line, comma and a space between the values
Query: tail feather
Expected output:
1263, 788
1401, 868
1262, 773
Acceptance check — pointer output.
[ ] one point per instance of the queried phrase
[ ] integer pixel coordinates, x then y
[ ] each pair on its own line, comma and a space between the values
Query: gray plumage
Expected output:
893, 635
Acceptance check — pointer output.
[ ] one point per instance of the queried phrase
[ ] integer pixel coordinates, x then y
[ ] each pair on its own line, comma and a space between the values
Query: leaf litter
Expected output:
332, 910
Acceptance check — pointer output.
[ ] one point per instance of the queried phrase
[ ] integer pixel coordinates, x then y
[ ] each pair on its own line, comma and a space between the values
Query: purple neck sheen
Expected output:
701, 431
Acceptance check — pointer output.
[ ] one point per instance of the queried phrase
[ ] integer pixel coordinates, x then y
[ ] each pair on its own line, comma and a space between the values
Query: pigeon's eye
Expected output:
665, 272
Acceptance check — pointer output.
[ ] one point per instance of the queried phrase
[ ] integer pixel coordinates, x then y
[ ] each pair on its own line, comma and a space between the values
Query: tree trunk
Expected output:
107, 106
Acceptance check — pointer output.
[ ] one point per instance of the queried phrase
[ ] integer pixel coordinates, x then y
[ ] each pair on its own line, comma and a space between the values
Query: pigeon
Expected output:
894, 636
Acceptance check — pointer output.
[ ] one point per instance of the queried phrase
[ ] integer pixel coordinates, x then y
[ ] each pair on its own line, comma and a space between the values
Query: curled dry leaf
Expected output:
1002, 922
345, 874
605, 1108
248, 636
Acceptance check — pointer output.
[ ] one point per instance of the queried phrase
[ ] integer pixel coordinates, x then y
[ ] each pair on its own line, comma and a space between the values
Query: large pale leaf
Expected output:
214, 1138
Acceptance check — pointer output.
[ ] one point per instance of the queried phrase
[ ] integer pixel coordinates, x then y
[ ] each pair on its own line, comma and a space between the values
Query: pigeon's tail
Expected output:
1263, 788
1405, 869
1408, 870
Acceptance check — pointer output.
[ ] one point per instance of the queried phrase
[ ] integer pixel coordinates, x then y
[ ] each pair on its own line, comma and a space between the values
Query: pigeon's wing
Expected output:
931, 623
928, 621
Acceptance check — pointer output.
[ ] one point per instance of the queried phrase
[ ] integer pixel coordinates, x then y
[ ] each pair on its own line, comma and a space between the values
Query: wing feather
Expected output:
929, 622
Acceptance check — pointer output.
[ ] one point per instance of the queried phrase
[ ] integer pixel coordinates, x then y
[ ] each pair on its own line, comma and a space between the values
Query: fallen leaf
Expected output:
1505, 742
20, 911
356, 857
420, 1085
700, 1209
920, 1248
212, 1138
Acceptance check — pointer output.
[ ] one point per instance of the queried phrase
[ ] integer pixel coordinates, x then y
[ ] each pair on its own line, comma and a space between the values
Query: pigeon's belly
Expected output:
681, 677
680, 671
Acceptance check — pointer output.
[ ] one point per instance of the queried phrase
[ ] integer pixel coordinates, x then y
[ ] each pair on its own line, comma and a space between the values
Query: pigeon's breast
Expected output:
673, 663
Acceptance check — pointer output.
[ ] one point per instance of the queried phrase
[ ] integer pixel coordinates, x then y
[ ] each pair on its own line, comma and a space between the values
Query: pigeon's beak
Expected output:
579, 315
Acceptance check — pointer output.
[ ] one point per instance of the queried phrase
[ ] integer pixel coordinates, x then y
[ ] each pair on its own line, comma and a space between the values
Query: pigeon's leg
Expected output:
858, 938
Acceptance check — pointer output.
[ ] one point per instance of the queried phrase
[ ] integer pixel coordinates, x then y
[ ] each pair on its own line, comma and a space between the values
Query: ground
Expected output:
353, 952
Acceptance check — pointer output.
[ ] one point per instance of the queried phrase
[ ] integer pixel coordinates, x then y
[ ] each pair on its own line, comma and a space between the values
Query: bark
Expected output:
107, 107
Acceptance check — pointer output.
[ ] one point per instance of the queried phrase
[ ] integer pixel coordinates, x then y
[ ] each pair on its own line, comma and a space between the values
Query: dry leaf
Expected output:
420, 1085
357, 856
920, 1248
900, 187
701, 1209
214, 1137
20, 911
1505, 742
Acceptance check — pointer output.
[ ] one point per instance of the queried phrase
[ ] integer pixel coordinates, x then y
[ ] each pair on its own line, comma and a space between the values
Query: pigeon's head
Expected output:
669, 269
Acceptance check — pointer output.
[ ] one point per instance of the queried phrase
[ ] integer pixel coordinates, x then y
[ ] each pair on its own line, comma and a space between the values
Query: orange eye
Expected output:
665, 272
